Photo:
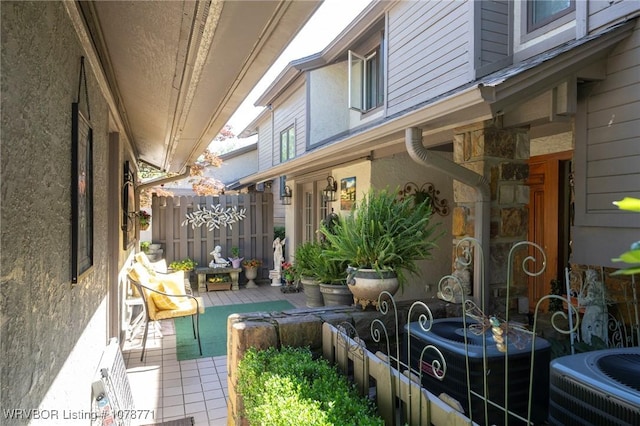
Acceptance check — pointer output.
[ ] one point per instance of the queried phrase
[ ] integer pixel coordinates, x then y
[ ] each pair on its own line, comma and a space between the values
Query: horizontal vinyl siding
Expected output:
603, 12
265, 144
613, 131
289, 113
494, 31
428, 45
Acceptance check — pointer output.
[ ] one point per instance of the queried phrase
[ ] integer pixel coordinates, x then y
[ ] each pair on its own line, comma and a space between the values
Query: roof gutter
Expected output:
161, 181
426, 158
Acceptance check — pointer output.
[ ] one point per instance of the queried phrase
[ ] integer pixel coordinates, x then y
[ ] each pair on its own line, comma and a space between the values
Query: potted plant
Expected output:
235, 257
186, 265
332, 274
144, 219
306, 259
382, 240
251, 271
289, 273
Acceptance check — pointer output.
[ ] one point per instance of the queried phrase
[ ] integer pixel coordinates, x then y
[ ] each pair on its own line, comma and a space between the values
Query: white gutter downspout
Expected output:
160, 181
421, 155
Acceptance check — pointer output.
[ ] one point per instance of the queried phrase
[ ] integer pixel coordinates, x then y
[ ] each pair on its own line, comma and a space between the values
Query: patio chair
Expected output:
164, 296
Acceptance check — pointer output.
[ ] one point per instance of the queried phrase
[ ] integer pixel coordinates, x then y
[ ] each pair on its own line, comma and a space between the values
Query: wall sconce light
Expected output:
329, 193
286, 196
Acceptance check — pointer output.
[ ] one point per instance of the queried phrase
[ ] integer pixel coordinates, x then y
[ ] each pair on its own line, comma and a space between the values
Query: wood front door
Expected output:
549, 200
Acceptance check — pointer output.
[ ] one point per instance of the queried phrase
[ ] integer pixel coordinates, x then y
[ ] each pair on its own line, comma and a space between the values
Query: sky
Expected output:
330, 18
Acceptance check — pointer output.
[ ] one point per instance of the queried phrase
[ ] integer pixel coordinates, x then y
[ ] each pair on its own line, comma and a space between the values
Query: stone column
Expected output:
500, 155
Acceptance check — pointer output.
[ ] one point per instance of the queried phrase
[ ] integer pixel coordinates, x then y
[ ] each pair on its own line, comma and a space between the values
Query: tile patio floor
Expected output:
176, 389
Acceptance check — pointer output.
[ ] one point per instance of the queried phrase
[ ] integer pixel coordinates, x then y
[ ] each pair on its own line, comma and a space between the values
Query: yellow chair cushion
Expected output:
162, 302
185, 308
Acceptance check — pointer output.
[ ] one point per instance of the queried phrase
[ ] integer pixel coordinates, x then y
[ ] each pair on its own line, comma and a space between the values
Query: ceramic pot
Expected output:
251, 273
312, 293
336, 295
367, 284
236, 262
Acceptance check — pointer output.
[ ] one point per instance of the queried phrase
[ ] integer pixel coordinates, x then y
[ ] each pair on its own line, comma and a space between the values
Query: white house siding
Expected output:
493, 34
328, 103
608, 156
603, 12
265, 144
428, 51
291, 112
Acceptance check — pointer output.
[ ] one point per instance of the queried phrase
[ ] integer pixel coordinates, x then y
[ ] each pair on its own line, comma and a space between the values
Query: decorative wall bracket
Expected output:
426, 191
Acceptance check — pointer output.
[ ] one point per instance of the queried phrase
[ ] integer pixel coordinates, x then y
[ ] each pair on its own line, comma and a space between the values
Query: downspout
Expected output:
421, 155
160, 181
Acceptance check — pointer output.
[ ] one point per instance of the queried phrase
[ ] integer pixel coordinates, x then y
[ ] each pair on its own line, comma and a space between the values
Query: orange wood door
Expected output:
544, 218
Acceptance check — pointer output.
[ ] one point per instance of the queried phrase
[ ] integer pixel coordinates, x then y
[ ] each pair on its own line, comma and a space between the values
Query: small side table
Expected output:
202, 273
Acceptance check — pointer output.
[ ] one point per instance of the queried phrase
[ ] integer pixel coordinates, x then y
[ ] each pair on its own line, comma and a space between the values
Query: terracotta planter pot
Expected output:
312, 292
336, 295
367, 284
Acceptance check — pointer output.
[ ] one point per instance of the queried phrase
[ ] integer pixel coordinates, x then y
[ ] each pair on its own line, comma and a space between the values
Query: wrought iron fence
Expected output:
478, 368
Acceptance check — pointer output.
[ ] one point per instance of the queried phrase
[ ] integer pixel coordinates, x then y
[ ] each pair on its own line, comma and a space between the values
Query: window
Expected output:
287, 144
365, 81
542, 12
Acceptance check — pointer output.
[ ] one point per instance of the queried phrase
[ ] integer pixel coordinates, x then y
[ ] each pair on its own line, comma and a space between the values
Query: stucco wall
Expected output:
395, 172
328, 102
52, 333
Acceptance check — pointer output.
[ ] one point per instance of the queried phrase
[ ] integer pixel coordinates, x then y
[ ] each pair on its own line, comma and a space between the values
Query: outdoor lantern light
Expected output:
286, 195
329, 193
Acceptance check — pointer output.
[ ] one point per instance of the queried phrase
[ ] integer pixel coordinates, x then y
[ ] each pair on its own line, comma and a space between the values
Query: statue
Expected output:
218, 261
592, 297
278, 257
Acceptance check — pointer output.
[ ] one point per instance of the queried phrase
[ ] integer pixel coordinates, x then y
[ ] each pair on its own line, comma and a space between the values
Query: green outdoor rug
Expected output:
213, 328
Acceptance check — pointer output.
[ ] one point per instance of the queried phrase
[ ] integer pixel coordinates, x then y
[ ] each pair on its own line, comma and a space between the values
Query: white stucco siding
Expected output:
396, 171
328, 103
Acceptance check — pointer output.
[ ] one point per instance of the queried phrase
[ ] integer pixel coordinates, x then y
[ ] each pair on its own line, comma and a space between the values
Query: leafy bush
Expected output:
306, 258
185, 264
288, 387
384, 233
278, 232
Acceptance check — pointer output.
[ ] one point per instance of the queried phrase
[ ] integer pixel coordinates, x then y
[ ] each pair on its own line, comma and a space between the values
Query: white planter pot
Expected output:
367, 284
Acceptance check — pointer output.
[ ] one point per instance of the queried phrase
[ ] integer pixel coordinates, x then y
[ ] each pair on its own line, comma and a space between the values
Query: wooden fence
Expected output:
253, 235
399, 398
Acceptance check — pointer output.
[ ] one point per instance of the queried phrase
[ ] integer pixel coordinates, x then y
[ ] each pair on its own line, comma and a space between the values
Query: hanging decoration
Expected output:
214, 217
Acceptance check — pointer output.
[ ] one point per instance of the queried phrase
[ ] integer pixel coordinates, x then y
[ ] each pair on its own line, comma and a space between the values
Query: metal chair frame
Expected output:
195, 318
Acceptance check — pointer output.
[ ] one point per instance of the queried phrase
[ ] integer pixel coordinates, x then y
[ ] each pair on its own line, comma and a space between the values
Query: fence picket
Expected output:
253, 235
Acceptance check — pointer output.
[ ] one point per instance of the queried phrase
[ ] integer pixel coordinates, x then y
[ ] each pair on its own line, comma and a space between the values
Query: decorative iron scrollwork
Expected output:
426, 191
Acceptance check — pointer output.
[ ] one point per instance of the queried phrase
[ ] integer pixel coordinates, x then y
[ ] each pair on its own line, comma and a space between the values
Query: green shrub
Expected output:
288, 387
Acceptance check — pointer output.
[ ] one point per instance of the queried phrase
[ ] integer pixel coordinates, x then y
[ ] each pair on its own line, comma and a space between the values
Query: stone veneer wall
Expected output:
303, 328
501, 156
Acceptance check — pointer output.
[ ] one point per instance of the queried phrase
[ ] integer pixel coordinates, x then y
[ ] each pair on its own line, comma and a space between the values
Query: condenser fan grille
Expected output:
623, 368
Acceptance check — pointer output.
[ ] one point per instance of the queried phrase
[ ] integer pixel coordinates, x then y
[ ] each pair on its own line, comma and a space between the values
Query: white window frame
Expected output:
359, 76
290, 151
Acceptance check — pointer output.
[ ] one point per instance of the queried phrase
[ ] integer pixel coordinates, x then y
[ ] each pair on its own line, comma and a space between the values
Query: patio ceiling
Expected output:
178, 70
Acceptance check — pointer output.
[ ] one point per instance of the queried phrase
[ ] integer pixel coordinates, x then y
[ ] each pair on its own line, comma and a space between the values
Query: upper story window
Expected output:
287, 144
366, 80
542, 12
